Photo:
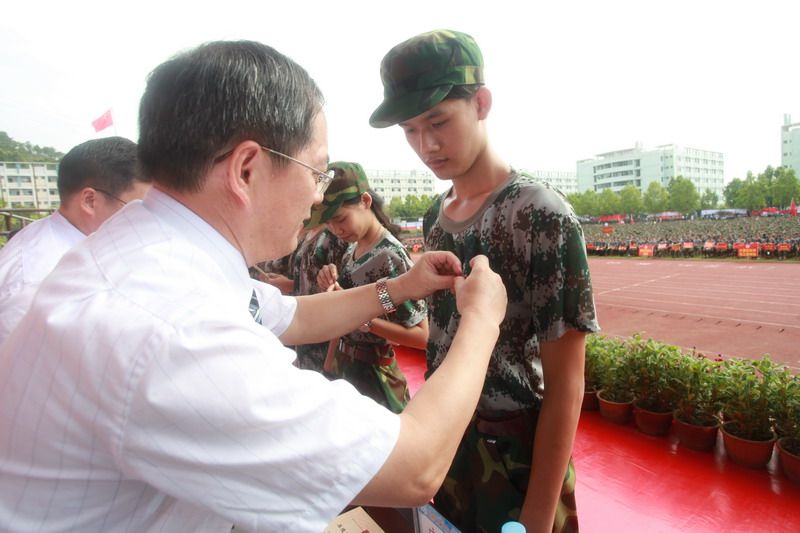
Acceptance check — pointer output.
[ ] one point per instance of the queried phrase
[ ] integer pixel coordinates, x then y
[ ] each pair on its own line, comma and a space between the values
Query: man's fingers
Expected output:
445, 263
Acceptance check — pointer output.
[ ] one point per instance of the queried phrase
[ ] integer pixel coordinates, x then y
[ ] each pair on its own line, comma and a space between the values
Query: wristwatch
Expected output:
383, 296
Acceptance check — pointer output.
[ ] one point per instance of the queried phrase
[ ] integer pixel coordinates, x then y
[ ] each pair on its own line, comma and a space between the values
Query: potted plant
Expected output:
696, 416
746, 392
656, 369
615, 397
785, 402
593, 370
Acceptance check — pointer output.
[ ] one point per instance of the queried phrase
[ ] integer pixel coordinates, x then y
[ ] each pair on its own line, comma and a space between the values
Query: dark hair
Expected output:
109, 164
377, 209
208, 99
463, 92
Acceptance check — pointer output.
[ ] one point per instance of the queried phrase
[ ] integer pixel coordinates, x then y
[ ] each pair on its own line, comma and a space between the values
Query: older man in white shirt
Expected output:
139, 394
95, 179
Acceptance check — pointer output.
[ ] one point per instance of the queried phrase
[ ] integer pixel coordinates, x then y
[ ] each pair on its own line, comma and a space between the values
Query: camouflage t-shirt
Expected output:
535, 243
388, 258
314, 252
283, 266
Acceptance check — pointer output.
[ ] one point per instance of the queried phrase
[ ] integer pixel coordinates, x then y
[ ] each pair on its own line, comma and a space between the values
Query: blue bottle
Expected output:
512, 527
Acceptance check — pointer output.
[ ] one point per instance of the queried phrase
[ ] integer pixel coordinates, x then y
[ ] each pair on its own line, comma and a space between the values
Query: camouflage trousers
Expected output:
486, 484
384, 383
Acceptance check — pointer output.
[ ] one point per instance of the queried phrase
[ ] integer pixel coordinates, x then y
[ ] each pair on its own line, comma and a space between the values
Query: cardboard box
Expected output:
353, 521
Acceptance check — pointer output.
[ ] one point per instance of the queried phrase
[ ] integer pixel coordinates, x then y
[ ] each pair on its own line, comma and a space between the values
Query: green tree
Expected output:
655, 198
411, 207
608, 202
683, 196
751, 196
592, 199
731, 192
765, 180
785, 186
396, 208
709, 200
11, 150
575, 199
630, 200
585, 203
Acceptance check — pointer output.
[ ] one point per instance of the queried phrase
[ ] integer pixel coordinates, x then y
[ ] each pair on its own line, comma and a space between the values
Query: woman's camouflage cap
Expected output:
419, 73
349, 182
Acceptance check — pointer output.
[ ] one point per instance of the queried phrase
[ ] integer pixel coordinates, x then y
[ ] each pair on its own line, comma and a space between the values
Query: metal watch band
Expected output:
383, 296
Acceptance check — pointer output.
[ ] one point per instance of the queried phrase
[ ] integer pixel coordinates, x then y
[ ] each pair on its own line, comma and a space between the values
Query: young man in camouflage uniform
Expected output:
514, 461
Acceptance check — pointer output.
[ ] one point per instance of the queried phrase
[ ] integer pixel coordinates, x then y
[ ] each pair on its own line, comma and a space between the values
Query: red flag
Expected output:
793, 209
103, 121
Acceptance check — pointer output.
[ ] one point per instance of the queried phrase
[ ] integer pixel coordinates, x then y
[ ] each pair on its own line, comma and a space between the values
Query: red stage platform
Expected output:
631, 482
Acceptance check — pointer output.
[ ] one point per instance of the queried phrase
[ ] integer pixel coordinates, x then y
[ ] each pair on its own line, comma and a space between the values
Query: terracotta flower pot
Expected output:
617, 412
589, 400
790, 462
749, 453
652, 422
696, 437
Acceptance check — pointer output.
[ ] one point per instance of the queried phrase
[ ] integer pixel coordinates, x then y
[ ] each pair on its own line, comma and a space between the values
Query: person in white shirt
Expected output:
139, 394
95, 179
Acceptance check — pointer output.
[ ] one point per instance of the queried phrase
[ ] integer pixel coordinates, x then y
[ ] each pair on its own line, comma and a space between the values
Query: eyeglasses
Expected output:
323, 179
120, 200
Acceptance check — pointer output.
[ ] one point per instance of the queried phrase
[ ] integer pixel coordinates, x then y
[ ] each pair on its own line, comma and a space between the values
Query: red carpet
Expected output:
630, 482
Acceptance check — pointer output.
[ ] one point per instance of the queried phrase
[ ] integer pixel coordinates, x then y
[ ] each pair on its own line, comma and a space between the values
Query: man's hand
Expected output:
433, 271
482, 292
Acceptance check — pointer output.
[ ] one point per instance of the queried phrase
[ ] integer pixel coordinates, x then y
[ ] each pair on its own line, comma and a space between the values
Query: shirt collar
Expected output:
66, 229
204, 236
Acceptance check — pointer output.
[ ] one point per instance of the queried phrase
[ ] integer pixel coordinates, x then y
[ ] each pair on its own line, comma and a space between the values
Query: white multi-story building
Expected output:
639, 167
564, 181
790, 144
26, 184
401, 183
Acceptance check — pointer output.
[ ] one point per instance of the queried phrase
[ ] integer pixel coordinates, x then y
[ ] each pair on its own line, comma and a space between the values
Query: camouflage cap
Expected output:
419, 73
349, 182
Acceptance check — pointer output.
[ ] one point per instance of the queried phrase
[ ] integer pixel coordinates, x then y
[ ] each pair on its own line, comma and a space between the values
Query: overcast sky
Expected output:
570, 79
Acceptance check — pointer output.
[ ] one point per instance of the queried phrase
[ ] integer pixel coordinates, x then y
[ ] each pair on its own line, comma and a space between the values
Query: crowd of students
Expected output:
772, 237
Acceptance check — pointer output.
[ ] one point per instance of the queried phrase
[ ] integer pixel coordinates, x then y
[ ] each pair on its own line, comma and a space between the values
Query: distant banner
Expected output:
748, 250
646, 250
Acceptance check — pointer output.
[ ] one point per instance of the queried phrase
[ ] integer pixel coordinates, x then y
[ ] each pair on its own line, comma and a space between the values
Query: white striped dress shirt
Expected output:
26, 260
138, 394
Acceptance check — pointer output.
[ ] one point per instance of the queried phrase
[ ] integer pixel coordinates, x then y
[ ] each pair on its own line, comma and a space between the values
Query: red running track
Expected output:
734, 308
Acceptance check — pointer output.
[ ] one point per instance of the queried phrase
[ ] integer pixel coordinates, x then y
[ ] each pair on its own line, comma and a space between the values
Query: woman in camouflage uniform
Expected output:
365, 357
